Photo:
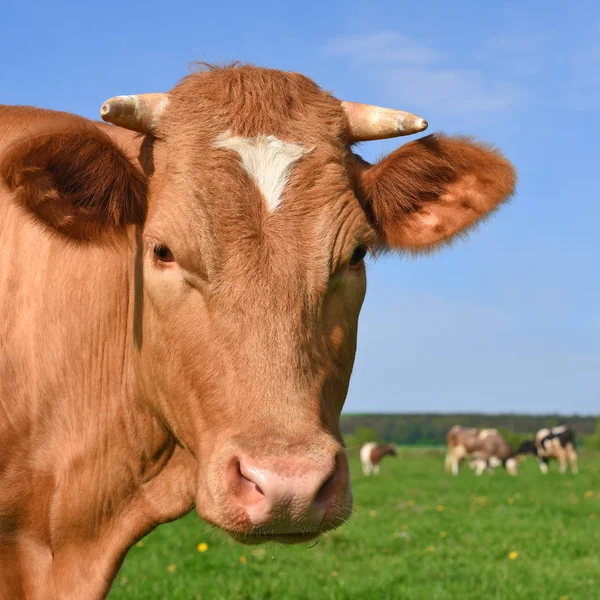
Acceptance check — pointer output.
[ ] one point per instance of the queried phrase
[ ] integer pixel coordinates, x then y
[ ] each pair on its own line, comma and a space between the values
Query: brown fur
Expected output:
76, 179
132, 390
429, 190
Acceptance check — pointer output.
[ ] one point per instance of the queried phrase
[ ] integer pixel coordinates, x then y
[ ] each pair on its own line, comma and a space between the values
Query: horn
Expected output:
140, 112
367, 122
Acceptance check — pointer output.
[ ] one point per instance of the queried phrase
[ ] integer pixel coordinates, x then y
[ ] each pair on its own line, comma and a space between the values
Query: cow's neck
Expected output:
91, 469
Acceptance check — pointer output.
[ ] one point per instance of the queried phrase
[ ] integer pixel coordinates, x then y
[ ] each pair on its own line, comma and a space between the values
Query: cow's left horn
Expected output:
367, 122
140, 112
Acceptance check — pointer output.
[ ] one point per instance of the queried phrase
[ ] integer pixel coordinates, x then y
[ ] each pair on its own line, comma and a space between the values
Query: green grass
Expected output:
417, 534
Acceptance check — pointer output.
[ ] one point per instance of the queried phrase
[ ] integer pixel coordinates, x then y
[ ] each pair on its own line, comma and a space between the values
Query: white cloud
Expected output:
449, 91
385, 46
418, 75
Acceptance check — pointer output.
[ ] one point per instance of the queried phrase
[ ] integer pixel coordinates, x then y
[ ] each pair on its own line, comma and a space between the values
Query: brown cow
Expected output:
179, 310
485, 448
371, 454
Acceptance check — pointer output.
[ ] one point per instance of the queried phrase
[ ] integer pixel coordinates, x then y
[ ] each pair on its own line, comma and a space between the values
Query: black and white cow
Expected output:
557, 442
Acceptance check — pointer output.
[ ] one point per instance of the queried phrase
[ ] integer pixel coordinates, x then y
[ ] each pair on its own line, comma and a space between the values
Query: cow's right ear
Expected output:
77, 180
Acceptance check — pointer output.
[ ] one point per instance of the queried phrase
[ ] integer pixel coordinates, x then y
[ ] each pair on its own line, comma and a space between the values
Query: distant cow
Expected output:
484, 448
371, 454
558, 442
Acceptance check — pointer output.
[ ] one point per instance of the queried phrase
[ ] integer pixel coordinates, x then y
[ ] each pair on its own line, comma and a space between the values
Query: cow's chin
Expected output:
244, 533
241, 530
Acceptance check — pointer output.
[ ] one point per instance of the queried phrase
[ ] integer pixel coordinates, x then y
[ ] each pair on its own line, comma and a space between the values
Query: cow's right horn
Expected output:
140, 112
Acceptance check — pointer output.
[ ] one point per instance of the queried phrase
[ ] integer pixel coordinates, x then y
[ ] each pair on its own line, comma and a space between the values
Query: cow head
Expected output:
527, 447
249, 271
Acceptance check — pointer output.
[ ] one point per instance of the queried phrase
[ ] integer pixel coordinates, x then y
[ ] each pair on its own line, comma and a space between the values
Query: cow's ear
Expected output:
77, 180
430, 190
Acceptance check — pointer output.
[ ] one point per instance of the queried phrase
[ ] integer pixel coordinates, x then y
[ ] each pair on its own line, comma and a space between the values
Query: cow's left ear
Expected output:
76, 179
428, 191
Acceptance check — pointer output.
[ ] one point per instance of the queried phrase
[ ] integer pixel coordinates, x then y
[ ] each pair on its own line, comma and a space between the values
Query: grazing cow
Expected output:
557, 442
371, 454
485, 449
459, 446
180, 293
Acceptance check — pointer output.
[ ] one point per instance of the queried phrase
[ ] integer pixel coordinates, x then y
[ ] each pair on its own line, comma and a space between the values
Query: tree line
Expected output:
431, 429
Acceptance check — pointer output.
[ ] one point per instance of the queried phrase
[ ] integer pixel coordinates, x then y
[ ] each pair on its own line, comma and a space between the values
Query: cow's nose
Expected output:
290, 495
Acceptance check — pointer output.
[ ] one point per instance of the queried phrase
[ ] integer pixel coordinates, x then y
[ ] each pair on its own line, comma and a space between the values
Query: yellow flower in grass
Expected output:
202, 547
564, 597
410, 503
172, 568
243, 560
588, 494
334, 573
593, 516
404, 526
513, 555
140, 544
440, 508
430, 549
443, 534
372, 513
511, 500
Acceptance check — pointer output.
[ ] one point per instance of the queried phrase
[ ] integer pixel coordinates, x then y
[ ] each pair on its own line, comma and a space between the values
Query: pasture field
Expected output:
417, 534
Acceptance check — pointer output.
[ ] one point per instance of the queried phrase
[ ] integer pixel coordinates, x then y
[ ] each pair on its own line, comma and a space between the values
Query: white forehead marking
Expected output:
267, 160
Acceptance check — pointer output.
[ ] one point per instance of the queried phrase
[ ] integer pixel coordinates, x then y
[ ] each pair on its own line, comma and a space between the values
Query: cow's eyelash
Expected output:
162, 253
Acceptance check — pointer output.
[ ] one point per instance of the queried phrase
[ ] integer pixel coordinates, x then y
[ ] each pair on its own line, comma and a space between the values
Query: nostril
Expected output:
330, 485
247, 480
325, 491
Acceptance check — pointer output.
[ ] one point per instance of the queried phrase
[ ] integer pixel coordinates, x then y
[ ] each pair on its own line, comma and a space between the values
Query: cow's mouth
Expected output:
281, 538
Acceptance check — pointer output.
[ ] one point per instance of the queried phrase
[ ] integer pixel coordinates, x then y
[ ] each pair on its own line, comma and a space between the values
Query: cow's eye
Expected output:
358, 255
163, 254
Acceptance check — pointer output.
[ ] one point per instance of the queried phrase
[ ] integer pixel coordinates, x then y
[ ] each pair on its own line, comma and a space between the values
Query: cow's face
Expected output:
253, 277
254, 217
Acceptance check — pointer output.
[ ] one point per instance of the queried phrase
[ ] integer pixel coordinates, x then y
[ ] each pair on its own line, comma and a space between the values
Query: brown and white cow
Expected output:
372, 453
556, 442
179, 310
484, 448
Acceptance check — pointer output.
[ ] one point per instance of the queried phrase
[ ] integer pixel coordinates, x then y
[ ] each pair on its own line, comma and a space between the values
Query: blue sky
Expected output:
508, 320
